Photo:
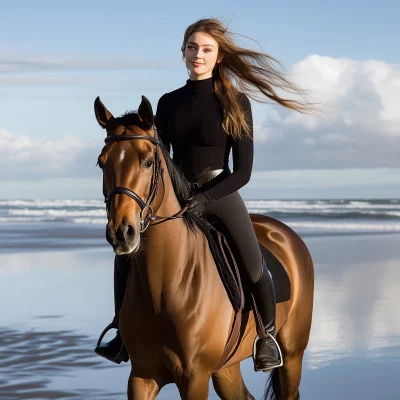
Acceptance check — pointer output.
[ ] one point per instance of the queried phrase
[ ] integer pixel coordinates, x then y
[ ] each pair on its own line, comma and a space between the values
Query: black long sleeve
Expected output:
242, 158
190, 120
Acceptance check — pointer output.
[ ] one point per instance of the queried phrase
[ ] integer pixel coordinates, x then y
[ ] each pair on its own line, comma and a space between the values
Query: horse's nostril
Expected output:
130, 231
125, 233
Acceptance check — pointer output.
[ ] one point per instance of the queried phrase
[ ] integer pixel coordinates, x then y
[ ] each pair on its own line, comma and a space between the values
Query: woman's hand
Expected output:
197, 205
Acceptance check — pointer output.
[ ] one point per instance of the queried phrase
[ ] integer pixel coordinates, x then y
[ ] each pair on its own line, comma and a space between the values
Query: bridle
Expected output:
155, 181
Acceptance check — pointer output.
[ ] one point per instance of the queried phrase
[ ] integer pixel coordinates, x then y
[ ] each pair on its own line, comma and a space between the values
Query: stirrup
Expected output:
122, 354
106, 329
254, 354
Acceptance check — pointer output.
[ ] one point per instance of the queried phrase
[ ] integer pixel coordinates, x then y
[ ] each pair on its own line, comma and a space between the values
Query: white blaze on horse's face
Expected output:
122, 155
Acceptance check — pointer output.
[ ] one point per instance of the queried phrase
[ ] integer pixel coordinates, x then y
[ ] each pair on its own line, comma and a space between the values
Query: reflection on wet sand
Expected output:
30, 360
355, 302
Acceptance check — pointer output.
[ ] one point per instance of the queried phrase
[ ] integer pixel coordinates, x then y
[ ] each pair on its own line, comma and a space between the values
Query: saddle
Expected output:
236, 288
232, 280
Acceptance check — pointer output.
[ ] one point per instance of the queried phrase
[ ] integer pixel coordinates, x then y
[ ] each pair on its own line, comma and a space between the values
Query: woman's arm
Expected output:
242, 157
162, 122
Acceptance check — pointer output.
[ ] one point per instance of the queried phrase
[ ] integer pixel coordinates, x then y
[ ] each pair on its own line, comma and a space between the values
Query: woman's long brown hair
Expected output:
248, 69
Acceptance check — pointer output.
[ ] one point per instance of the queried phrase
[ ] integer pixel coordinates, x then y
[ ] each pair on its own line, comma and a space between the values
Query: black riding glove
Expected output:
197, 205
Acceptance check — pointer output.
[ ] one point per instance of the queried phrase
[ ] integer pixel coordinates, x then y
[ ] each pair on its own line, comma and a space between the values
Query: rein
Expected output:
155, 181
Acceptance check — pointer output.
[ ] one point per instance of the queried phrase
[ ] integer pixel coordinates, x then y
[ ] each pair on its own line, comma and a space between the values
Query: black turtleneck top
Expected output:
190, 119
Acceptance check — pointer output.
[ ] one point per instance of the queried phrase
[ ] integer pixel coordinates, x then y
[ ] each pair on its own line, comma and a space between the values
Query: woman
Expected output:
203, 121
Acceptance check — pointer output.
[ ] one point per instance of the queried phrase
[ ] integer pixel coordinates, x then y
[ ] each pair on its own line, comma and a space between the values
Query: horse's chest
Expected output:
155, 336
152, 340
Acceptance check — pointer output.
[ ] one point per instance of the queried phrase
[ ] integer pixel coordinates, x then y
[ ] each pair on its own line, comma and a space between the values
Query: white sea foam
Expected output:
346, 226
58, 213
280, 205
26, 219
102, 221
51, 203
318, 215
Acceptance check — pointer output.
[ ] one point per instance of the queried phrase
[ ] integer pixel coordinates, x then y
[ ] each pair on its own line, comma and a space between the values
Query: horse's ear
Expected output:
145, 113
103, 116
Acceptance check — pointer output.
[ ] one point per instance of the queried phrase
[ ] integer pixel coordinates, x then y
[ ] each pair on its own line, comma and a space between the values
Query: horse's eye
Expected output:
149, 164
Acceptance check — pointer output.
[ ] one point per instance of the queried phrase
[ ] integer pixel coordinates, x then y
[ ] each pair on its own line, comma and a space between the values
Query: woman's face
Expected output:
201, 55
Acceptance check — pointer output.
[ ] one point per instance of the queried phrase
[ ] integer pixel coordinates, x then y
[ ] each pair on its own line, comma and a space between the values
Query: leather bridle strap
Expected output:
121, 138
128, 192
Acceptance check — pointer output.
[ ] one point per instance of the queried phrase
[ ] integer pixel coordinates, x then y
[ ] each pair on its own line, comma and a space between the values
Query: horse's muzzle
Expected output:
125, 240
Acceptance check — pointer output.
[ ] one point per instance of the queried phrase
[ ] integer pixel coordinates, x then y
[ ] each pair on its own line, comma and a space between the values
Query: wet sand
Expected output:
31, 360
53, 305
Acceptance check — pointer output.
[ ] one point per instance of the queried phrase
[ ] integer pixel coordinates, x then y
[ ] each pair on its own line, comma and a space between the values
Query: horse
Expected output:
176, 316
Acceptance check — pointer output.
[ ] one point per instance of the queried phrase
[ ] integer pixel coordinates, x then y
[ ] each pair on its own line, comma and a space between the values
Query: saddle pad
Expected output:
279, 276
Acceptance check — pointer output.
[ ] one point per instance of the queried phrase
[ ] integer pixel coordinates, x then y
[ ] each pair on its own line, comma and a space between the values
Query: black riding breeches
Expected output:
231, 212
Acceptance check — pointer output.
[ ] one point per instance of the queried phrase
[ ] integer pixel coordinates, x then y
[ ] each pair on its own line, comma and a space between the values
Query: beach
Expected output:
56, 296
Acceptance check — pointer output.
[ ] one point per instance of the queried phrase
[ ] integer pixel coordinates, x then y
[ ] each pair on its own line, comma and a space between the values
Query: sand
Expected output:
53, 305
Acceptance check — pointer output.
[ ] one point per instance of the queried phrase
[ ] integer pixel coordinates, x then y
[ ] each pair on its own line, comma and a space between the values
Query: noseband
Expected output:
155, 180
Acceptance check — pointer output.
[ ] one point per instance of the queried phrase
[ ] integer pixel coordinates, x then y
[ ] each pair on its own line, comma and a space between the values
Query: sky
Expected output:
57, 57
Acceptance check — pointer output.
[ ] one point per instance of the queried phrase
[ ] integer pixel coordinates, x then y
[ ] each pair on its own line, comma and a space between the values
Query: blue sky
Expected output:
56, 57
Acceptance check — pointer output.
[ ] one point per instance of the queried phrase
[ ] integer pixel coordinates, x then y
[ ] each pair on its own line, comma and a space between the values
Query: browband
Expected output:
120, 138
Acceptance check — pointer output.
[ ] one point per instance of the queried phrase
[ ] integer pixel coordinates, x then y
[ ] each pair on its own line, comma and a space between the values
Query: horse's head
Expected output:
131, 167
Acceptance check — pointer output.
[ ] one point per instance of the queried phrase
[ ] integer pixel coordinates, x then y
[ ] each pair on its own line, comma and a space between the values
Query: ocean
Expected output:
76, 223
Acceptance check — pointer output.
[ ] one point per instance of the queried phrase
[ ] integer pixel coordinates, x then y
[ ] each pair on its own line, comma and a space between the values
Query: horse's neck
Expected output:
171, 252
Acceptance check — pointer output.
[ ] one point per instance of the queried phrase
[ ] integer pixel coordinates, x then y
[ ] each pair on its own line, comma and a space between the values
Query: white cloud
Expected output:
359, 126
12, 64
54, 154
362, 93
23, 157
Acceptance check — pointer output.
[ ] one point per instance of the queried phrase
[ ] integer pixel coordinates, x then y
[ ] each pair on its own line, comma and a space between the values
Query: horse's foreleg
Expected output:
194, 386
229, 384
142, 387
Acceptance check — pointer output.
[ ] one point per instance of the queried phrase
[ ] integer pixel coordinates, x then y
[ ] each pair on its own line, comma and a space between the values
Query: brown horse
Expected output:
176, 316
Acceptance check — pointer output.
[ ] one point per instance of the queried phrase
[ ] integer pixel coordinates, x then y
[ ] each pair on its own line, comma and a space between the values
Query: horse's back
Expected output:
288, 247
